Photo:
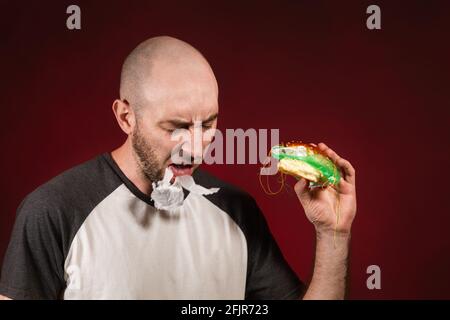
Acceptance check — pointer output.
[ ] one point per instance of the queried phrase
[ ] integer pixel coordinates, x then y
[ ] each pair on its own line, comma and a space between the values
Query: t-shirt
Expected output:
90, 233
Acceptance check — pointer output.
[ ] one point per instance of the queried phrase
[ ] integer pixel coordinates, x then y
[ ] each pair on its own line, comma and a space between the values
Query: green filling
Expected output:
319, 162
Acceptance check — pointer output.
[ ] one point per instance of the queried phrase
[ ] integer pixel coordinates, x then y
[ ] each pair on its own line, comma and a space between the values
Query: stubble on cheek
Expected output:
146, 157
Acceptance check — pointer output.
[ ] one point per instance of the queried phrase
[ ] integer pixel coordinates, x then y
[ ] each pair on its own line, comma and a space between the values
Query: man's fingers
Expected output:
301, 189
341, 162
329, 152
349, 171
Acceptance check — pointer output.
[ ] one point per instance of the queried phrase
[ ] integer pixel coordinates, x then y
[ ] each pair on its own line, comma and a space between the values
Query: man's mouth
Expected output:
181, 169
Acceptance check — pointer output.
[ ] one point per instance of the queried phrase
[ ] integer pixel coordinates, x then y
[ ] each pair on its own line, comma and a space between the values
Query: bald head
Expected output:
162, 70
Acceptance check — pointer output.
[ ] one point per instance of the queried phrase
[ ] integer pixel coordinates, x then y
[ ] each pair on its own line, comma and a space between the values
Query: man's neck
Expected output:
123, 156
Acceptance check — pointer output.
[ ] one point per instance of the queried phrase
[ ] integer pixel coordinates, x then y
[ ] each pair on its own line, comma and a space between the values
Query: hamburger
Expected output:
305, 160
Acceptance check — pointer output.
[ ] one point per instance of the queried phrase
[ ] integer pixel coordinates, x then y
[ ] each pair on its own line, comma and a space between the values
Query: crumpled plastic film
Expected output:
169, 196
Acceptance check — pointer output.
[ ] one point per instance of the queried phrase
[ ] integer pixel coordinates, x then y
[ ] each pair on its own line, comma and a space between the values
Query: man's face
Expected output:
175, 102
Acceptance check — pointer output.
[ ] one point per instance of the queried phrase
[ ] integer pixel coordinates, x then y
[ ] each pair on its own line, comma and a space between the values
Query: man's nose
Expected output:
191, 153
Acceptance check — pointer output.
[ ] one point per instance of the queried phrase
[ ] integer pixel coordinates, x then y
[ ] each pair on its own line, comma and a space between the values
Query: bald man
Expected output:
93, 232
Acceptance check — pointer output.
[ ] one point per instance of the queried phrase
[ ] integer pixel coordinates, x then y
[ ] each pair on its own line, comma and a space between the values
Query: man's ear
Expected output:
125, 115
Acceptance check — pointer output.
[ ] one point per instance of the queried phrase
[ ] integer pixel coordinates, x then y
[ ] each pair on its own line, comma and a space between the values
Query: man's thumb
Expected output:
301, 188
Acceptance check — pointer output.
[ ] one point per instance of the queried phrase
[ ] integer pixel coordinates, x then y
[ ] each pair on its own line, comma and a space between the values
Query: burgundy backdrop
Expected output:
310, 68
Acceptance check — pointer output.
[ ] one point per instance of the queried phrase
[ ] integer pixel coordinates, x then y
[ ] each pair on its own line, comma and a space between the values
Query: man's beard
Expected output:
146, 157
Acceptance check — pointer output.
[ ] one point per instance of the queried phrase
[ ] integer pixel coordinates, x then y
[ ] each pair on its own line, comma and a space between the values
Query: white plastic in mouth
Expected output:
169, 196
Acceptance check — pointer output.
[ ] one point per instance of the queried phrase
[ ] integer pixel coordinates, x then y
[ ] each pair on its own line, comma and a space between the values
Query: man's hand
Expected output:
322, 205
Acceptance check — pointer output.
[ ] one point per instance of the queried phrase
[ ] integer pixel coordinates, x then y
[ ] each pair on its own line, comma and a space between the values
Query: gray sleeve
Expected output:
33, 264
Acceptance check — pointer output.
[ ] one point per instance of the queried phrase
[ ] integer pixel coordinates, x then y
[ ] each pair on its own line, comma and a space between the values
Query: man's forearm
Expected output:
330, 267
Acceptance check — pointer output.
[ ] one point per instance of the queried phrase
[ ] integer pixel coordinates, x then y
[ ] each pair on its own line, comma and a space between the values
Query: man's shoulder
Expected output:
81, 185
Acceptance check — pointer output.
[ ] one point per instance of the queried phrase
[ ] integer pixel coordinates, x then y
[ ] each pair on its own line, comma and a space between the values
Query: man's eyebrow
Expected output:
182, 123
212, 117
176, 122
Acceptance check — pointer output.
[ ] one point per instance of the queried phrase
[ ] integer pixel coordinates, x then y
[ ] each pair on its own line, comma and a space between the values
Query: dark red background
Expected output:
310, 68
